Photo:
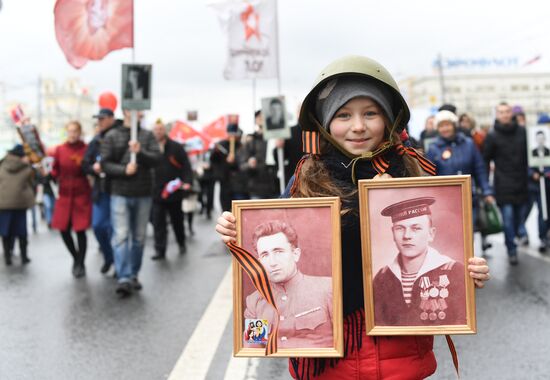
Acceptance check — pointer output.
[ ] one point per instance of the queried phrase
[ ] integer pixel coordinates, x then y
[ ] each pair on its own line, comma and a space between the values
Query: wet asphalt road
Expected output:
55, 327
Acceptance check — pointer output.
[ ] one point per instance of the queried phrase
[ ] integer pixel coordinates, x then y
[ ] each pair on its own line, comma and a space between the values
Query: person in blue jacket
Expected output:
454, 153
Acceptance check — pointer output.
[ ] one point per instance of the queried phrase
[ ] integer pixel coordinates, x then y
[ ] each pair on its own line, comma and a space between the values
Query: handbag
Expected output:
489, 218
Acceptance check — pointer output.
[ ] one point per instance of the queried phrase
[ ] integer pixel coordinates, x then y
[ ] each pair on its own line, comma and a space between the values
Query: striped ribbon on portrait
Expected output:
258, 276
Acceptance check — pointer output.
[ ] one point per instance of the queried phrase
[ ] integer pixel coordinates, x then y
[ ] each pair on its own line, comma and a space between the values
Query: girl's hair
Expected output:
74, 122
314, 179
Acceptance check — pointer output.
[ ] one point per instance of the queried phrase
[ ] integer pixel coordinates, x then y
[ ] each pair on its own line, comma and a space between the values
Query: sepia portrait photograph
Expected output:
297, 243
538, 146
136, 86
417, 238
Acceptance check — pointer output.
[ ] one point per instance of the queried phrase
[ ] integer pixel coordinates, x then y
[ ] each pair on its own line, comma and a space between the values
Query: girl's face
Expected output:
73, 133
358, 125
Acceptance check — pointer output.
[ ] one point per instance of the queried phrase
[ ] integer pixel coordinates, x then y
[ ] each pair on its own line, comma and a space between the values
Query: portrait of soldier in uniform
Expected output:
304, 302
136, 82
421, 286
274, 114
541, 149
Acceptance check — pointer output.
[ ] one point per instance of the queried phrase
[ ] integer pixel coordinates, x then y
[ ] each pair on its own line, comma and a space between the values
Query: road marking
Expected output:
534, 253
242, 369
199, 352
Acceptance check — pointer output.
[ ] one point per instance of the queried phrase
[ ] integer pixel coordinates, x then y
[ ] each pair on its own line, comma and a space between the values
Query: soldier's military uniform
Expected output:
305, 311
438, 294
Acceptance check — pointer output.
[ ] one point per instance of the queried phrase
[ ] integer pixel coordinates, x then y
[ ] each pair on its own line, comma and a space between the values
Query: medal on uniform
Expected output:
434, 292
444, 293
444, 282
424, 297
446, 154
441, 315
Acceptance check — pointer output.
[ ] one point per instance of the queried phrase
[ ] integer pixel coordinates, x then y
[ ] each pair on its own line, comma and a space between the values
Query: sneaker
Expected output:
513, 260
158, 256
124, 289
523, 241
183, 249
105, 268
79, 271
136, 285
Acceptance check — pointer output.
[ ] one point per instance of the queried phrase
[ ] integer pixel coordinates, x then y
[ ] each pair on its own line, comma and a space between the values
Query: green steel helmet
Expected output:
356, 66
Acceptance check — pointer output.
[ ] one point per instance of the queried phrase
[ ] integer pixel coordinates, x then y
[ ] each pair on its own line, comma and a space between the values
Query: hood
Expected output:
13, 164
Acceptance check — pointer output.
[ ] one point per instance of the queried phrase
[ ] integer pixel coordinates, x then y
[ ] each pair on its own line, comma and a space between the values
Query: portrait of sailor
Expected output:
421, 286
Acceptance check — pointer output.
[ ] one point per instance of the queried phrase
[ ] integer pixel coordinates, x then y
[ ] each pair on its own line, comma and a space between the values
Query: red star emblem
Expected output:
251, 22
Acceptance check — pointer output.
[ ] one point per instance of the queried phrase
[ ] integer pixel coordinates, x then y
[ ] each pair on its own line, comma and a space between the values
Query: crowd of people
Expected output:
99, 185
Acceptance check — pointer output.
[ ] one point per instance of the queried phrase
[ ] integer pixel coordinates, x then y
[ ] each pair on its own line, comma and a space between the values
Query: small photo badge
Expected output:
256, 331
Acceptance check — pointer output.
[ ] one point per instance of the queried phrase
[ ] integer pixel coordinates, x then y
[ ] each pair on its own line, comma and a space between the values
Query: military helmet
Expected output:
360, 66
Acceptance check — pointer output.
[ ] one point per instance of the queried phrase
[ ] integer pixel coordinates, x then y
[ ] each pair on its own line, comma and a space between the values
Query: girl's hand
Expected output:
479, 271
226, 227
383, 176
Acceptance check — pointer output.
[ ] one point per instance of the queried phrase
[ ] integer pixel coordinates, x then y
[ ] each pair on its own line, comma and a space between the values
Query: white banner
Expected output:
251, 28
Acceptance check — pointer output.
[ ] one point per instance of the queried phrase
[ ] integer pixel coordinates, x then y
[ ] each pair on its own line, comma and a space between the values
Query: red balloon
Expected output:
108, 100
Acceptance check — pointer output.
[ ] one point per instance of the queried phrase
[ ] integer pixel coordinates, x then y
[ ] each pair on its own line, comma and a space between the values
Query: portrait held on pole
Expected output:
274, 118
416, 235
538, 146
297, 244
136, 86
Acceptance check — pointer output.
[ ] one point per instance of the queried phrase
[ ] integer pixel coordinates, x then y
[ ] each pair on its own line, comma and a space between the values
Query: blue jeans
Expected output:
101, 223
513, 217
49, 203
129, 216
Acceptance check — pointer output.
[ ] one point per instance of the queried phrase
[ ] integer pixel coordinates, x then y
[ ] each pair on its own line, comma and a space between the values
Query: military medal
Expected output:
423, 316
434, 292
444, 282
441, 315
433, 316
444, 293
424, 296
446, 154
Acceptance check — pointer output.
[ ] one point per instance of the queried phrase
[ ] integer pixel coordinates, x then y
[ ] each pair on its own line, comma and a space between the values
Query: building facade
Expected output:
478, 94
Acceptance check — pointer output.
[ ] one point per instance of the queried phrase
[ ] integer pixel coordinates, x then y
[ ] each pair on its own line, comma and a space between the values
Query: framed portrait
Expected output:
297, 242
136, 86
538, 145
416, 236
275, 125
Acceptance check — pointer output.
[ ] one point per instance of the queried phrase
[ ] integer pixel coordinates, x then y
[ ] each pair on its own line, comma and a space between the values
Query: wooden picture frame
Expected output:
417, 236
311, 297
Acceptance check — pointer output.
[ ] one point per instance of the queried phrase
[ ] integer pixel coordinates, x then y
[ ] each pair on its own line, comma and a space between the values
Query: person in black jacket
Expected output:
506, 146
172, 176
131, 190
101, 197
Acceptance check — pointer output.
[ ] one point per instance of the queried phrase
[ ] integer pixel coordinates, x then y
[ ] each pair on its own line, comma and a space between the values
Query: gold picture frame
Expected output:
316, 222
436, 299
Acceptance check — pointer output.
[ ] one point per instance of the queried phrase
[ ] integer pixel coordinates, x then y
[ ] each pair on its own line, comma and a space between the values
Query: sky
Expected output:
185, 43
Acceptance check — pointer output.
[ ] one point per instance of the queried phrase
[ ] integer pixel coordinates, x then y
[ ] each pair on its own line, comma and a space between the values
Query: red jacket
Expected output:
74, 204
380, 358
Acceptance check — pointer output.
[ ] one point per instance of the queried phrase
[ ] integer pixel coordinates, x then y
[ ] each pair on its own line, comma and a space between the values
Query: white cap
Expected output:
445, 116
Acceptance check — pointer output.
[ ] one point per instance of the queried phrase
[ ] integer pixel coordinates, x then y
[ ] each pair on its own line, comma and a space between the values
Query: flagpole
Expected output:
280, 152
277, 55
133, 113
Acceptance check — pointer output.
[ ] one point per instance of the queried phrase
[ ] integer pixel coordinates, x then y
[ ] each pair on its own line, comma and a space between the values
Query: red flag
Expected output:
90, 29
195, 142
217, 130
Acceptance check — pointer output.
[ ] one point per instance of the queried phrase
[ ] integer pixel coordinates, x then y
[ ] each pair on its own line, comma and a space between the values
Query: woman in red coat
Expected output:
73, 209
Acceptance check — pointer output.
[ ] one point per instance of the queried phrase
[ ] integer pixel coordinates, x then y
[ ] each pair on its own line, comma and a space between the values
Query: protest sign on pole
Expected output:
136, 94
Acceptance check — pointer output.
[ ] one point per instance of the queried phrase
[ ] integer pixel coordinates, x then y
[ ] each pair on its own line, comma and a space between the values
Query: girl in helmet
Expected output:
353, 121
